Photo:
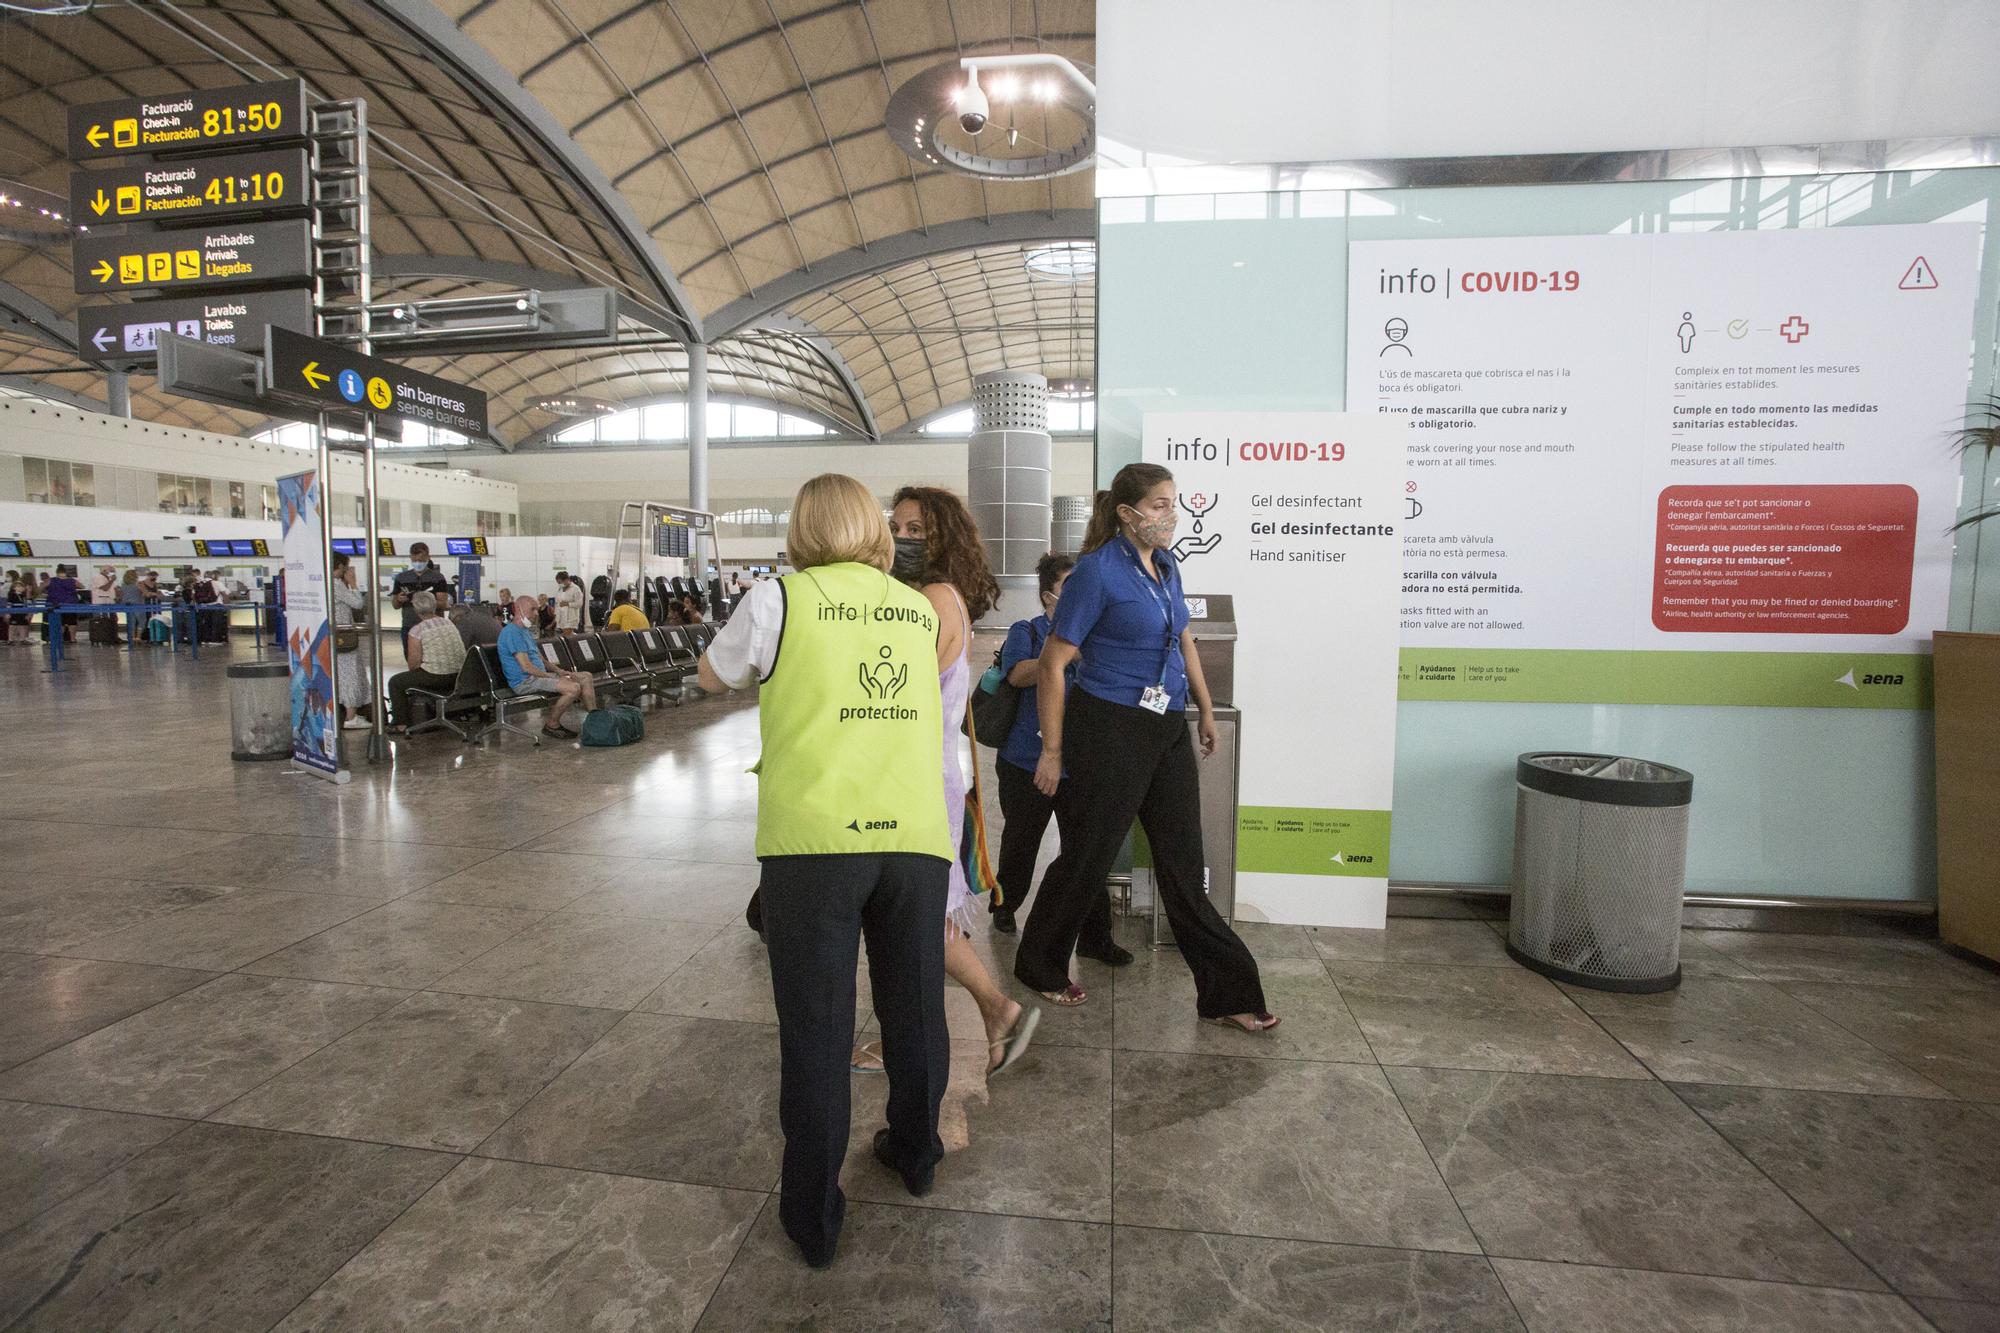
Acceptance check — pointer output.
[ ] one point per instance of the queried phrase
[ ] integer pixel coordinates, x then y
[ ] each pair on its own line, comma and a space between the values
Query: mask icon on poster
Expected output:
1413, 508
1199, 506
1396, 330
884, 679
1686, 332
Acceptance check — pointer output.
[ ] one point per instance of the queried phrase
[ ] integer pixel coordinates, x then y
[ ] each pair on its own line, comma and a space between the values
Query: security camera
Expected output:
972, 104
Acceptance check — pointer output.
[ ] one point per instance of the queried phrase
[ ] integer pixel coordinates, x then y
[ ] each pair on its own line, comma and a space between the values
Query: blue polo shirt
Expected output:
1023, 747
1126, 623
514, 639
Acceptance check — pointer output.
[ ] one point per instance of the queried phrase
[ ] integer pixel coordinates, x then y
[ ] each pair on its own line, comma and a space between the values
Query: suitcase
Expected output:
617, 724
104, 630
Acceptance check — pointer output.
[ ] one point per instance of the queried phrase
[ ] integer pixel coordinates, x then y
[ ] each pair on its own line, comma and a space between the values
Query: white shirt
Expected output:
746, 648
569, 606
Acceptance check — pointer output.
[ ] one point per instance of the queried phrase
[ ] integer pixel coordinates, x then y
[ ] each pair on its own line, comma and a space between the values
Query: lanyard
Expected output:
1162, 595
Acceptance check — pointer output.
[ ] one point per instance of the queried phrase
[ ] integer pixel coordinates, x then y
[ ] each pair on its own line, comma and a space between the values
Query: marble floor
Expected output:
479, 1042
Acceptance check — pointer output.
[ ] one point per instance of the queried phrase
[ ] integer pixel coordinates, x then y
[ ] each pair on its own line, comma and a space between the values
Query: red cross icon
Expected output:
1794, 329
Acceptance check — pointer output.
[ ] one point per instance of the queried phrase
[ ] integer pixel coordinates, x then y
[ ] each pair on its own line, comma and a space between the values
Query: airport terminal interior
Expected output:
1564, 507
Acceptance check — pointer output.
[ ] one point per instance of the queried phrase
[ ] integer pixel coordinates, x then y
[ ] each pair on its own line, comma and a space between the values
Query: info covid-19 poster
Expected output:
1297, 515
1687, 467
308, 624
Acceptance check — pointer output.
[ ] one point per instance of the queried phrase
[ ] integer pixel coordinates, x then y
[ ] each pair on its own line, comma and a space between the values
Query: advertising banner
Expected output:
308, 623
1688, 467
1298, 515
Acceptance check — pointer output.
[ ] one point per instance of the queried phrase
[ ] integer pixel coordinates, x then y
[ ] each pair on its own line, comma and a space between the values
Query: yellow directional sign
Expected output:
190, 190
239, 116
253, 254
326, 375
314, 376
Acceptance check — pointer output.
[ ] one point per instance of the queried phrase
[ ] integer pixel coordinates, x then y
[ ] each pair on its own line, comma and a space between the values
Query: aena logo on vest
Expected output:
872, 825
881, 681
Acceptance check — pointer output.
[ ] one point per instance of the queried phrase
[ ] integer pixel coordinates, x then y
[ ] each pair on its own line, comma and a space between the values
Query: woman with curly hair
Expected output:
938, 552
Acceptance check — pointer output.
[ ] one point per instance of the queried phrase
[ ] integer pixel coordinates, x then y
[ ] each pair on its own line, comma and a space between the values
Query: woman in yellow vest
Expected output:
852, 839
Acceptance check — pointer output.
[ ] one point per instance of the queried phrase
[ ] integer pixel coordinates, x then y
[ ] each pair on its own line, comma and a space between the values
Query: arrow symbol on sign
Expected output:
96, 135
103, 270
314, 375
99, 203
102, 338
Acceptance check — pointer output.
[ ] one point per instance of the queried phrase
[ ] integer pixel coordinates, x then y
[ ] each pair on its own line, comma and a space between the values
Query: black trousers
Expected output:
1125, 763
403, 682
815, 910
1027, 813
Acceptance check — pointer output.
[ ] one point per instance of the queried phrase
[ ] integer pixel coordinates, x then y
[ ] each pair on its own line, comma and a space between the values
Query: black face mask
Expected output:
910, 558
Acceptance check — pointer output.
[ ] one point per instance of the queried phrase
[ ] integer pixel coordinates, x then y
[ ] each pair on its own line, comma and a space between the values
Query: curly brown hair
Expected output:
953, 552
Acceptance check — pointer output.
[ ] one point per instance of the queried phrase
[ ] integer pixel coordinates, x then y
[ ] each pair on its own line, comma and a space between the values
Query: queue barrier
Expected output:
184, 616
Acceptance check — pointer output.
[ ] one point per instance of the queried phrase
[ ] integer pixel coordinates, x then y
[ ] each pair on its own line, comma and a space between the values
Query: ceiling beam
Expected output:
22, 314
55, 393
512, 276
835, 362
1065, 224
475, 66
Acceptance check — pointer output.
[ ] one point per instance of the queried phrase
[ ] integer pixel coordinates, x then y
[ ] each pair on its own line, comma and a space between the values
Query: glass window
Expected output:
270, 502
619, 426
583, 432
423, 518
718, 421
665, 421
791, 425
184, 495
360, 511
236, 504
38, 480
757, 423
204, 496
951, 423
168, 492
83, 484
1062, 415
59, 484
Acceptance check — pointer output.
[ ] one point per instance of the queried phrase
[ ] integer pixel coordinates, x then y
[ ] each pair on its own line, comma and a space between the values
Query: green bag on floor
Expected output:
617, 724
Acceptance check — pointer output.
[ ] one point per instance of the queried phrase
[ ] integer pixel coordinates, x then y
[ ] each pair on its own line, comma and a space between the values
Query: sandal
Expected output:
1003, 1053
1069, 997
858, 1058
1265, 1022
562, 733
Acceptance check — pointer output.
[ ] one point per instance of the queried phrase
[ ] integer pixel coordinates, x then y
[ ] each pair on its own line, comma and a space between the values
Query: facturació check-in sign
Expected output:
343, 380
237, 116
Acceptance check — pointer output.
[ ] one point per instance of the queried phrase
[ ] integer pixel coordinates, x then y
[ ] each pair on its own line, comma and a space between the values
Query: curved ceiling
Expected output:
721, 163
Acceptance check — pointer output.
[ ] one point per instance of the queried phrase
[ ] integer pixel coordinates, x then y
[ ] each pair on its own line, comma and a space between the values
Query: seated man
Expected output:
624, 615
475, 624
526, 672
436, 654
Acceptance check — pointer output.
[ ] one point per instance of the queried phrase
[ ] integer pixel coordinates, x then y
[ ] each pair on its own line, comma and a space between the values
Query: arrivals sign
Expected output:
120, 334
248, 114
340, 379
1299, 515
1672, 468
192, 189
250, 254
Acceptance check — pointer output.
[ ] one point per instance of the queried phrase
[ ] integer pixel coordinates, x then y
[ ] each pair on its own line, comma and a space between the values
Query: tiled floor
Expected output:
479, 1042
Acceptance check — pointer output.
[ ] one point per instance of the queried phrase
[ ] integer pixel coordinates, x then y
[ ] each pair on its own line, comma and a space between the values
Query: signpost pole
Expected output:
117, 393
323, 463
378, 740
697, 359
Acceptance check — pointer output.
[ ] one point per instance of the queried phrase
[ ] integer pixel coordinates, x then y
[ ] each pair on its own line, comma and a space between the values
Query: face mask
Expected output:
910, 558
1157, 533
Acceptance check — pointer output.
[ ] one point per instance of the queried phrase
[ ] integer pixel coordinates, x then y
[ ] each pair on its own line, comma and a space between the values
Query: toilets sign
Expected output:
1296, 514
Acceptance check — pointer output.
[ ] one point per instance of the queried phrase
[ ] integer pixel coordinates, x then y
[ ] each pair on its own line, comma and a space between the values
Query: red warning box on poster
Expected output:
1784, 559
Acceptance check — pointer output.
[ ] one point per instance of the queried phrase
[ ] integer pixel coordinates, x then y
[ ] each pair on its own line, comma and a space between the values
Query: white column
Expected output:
697, 354
117, 393
1072, 519
1008, 476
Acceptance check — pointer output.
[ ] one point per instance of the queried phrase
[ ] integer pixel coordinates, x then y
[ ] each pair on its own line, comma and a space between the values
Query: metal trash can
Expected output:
1600, 866
260, 710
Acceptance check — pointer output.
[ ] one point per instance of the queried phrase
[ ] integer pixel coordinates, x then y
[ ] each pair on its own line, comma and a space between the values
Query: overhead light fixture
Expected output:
1072, 388
571, 405
937, 116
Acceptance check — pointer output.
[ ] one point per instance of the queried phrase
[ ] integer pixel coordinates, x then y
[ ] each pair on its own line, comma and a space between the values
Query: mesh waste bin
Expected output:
260, 710
1600, 864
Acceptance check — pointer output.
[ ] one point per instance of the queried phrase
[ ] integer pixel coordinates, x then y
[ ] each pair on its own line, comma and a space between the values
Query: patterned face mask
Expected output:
1156, 533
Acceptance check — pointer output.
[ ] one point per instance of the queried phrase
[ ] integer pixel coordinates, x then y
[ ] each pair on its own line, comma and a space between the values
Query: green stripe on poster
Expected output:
1300, 840
1755, 680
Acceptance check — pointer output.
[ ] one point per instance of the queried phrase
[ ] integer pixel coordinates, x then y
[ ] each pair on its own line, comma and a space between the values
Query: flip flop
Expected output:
871, 1050
1015, 1044
1265, 1022
1069, 997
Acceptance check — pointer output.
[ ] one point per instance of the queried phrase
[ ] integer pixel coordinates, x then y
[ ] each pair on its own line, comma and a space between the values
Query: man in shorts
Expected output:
526, 672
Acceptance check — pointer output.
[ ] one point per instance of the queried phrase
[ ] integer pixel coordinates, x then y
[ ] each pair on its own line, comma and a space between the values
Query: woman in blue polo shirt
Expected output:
1118, 749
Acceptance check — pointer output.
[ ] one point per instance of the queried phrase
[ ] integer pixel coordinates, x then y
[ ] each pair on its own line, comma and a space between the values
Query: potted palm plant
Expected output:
1967, 676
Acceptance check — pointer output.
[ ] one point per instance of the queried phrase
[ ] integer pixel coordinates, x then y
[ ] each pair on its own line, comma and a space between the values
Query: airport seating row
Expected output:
625, 666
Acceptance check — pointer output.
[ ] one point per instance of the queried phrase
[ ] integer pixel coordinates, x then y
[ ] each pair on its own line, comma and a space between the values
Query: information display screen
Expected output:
11, 548
465, 546
670, 539
349, 546
122, 548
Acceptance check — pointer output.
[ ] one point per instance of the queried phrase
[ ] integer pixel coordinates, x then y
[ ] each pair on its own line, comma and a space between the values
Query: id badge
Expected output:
1154, 700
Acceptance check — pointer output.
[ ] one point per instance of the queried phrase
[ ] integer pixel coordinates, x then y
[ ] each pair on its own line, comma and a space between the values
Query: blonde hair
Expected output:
837, 520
